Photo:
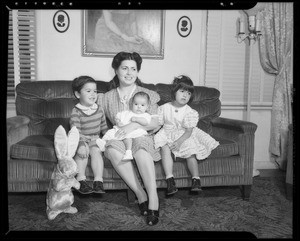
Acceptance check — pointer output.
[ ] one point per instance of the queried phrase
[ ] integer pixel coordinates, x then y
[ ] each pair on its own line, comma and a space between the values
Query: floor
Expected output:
278, 174
271, 173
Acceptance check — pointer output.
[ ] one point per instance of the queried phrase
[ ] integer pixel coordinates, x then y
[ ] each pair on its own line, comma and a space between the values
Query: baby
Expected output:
137, 113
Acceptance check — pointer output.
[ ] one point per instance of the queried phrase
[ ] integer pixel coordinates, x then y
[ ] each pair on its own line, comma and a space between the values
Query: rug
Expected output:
268, 214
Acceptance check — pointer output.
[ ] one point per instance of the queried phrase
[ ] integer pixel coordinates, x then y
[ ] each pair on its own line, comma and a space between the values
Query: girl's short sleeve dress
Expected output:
112, 104
175, 121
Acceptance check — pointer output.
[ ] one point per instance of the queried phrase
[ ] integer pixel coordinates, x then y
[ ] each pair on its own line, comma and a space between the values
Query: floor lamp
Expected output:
254, 32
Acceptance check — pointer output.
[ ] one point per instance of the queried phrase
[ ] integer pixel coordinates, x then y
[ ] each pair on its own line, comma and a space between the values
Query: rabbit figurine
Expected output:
59, 196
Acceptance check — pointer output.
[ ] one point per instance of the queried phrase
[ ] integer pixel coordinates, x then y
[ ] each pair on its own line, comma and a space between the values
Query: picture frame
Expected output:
107, 32
61, 21
184, 26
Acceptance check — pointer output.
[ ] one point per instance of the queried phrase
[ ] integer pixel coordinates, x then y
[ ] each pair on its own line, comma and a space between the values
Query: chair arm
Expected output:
235, 125
16, 130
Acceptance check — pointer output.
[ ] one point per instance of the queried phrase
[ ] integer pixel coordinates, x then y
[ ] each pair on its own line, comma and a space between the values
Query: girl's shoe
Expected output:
152, 217
84, 187
171, 186
196, 185
98, 187
144, 208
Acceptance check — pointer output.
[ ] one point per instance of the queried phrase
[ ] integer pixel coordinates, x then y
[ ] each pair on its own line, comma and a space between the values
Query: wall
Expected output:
59, 58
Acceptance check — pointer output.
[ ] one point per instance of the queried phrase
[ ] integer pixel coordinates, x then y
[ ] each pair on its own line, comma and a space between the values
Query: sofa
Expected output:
41, 106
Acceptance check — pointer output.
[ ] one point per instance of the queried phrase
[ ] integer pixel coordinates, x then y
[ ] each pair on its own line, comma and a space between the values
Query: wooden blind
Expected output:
227, 63
22, 51
10, 62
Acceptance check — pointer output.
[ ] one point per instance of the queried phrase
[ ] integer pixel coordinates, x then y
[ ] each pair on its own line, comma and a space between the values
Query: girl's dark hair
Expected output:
80, 81
118, 59
182, 82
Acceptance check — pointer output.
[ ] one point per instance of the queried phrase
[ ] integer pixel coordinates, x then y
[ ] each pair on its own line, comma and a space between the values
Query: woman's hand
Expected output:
124, 130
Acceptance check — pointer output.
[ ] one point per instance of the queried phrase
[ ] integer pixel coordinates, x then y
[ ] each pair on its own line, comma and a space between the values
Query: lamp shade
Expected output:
253, 11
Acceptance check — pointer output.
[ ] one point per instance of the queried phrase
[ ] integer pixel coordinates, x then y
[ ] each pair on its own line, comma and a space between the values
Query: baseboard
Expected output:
265, 165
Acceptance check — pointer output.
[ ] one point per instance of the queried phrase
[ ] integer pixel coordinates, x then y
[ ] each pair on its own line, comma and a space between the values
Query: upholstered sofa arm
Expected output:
234, 125
17, 129
243, 133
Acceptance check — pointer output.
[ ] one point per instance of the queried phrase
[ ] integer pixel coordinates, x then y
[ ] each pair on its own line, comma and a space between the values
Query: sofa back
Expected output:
48, 104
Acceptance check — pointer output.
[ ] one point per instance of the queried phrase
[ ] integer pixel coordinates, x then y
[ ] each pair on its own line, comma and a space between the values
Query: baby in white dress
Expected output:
137, 113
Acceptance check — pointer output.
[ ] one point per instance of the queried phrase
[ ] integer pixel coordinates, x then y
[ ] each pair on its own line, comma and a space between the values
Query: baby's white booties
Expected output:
101, 144
127, 155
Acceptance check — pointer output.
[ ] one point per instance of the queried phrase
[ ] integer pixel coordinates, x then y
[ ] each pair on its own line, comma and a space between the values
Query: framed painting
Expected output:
107, 32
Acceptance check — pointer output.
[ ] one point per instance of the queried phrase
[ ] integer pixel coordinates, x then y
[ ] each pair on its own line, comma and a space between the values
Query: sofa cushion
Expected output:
39, 148
36, 147
225, 149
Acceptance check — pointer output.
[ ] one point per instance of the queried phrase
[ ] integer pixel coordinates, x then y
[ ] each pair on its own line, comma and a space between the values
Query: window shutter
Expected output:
27, 47
227, 63
10, 62
22, 51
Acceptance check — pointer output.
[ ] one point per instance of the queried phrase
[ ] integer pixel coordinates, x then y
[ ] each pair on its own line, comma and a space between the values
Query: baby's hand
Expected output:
77, 185
133, 119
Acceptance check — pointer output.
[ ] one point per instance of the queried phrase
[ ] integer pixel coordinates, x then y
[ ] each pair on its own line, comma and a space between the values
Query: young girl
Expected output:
89, 119
137, 113
180, 134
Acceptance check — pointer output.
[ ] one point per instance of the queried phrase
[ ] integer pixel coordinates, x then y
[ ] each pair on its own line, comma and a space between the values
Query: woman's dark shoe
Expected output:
144, 208
152, 217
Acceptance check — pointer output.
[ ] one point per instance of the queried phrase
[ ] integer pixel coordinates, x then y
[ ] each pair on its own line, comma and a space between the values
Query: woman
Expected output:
122, 87
117, 30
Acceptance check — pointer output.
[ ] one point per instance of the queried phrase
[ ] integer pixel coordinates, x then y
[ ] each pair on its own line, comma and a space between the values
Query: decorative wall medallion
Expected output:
61, 21
184, 26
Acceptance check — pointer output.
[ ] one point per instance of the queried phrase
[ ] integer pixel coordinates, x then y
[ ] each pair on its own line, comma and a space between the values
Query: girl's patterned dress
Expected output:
175, 121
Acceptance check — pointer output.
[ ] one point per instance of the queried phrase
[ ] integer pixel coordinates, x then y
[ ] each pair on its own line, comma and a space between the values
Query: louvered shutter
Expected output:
10, 62
21, 48
227, 63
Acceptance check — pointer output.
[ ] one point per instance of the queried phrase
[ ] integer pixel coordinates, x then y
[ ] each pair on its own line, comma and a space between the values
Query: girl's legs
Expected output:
81, 160
97, 167
127, 173
167, 163
146, 168
81, 165
192, 164
97, 163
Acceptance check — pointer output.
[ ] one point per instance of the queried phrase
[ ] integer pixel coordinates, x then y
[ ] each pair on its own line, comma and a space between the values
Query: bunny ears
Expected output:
66, 145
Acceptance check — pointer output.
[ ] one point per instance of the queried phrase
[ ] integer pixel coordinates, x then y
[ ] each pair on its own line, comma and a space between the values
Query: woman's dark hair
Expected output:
80, 81
182, 82
118, 59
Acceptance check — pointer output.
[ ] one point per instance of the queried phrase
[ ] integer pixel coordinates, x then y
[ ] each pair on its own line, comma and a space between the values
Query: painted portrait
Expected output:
107, 32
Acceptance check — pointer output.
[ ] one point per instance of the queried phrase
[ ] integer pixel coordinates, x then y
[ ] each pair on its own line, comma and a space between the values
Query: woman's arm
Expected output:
134, 125
141, 120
